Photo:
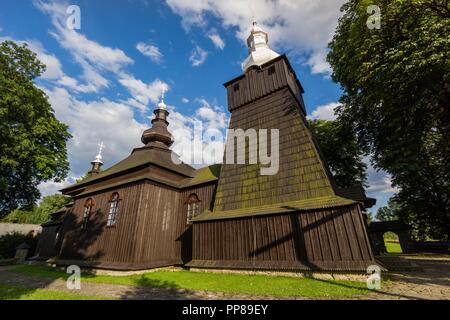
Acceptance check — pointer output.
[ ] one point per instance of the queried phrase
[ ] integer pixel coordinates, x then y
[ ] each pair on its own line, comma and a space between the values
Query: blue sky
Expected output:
104, 79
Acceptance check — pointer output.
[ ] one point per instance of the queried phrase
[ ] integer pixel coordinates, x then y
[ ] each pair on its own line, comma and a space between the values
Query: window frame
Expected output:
87, 210
193, 207
111, 219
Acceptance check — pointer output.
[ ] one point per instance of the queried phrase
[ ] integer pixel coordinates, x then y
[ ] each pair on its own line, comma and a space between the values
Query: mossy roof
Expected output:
204, 175
200, 176
279, 208
138, 158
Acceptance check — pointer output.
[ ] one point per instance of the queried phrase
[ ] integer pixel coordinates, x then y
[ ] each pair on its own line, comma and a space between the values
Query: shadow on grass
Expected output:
8, 292
16, 286
366, 291
154, 289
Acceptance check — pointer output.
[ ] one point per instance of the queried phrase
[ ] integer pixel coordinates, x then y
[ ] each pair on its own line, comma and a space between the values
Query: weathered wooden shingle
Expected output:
302, 173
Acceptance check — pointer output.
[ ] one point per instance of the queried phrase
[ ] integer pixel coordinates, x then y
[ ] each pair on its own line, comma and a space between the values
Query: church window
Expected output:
193, 207
113, 209
87, 213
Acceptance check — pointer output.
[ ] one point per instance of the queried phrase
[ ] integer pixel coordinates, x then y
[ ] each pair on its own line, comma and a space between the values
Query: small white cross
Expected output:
101, 146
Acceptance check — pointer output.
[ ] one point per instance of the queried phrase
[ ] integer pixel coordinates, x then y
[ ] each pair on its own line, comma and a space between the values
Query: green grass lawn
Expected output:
228, 283
393, 247
21, 293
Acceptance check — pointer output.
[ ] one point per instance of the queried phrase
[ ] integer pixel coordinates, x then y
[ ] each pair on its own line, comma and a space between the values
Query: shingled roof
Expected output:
269, 98
286, 207
140, 157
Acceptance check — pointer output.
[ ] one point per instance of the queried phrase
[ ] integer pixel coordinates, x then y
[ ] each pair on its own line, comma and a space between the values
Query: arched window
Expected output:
87, 212
113, 209
193, 207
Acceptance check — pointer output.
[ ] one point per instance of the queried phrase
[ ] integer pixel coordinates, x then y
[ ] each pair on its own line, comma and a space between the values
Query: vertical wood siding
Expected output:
258, 83
322, 239
150, 231
46, 246
99, 242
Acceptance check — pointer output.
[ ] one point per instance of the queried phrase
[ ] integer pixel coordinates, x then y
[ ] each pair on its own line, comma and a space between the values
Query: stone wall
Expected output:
18, 227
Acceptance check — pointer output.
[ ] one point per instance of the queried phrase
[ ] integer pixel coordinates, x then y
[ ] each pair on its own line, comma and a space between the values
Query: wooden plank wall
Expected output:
258, 83
332, 237
163, 233
302, 172
46, 246
99, 242
151, 227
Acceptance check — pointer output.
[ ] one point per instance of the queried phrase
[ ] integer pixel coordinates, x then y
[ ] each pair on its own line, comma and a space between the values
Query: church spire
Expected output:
158, 135
97, 162
259, 49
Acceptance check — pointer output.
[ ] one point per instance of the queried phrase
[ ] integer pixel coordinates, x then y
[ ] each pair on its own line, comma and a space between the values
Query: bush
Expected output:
9, 242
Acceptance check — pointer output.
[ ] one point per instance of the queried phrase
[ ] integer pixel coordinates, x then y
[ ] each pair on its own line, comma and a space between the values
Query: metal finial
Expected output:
254, 21
163, 91
161, 104
100, 149
98, 158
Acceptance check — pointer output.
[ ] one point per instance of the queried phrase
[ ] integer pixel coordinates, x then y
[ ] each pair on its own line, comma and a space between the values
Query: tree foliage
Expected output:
32, 140
342, 153
10, 241
396, 83
38, 214
389, 212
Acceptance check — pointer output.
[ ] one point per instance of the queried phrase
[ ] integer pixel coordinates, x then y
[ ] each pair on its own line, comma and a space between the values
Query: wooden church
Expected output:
147, 211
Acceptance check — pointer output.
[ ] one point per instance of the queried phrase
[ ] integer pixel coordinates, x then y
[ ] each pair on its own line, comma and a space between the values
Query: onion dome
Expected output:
158, 135
259, 50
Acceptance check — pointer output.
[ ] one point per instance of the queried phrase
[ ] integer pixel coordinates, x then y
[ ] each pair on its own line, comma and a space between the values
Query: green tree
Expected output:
396, 83
389, 212
39, 213
47, 206
32, 140
342, 153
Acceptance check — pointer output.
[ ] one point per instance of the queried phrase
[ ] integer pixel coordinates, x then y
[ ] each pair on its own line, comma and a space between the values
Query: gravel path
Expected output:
433, 283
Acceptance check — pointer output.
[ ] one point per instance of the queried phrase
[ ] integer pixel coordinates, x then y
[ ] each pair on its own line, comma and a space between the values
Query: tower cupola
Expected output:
158, 135
97, 162
259, 49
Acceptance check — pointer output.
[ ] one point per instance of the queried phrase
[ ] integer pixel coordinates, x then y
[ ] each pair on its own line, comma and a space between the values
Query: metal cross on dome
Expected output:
163, 91
98, 158
101, 146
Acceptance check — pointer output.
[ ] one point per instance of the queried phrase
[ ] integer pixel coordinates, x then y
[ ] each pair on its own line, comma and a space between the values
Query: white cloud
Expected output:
142, 92
300, 27
212, 114
379, 181
93, 121
213, 121
185, 100
325, 112
99, 62
53, 65
53, 72
198, 56
318, 63
150, 51
50, 187
383, 185
113, 123
216, 39
94, 58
